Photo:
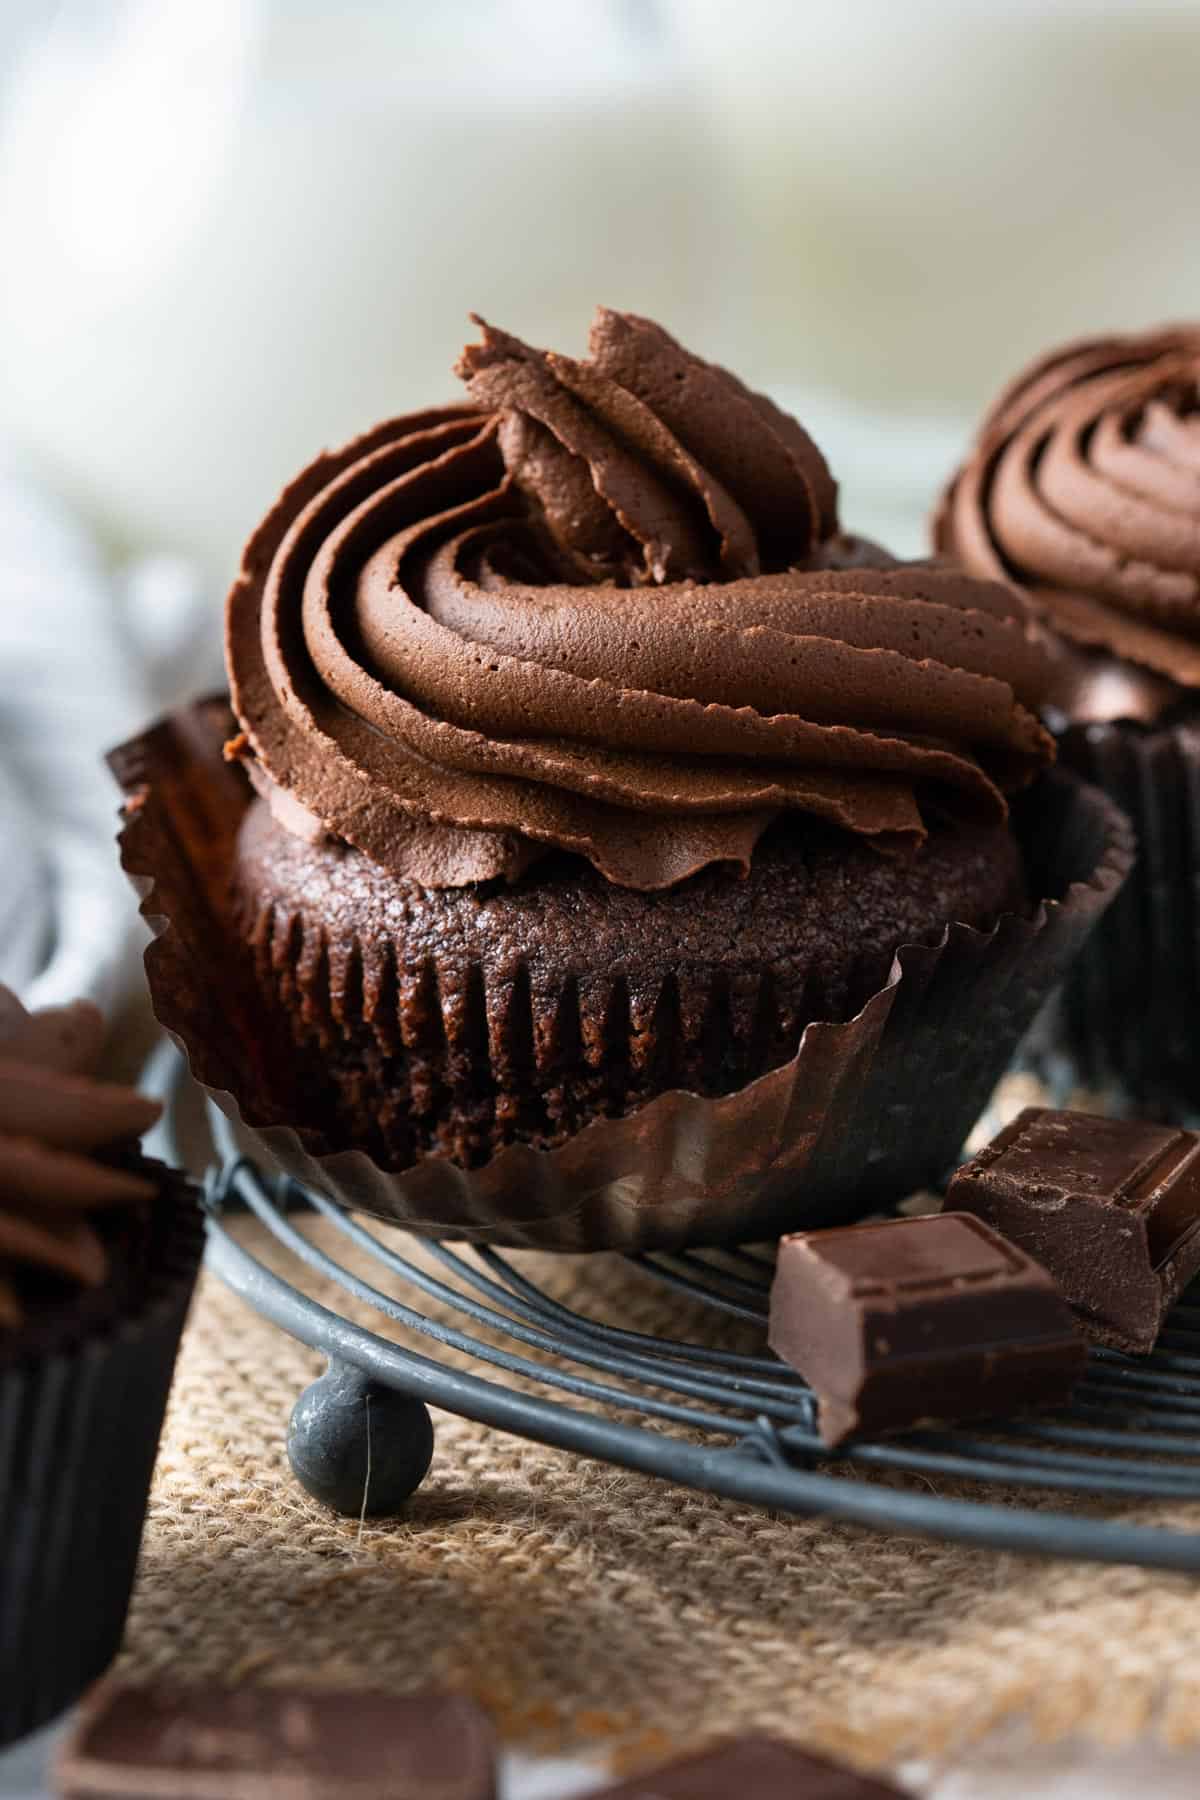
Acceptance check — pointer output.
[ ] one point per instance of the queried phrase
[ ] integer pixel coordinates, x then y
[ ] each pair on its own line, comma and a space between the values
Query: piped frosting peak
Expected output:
1083, 486
607, 608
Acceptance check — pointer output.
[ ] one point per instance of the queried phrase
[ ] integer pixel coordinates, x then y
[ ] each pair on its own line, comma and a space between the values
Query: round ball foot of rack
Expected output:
356, 1446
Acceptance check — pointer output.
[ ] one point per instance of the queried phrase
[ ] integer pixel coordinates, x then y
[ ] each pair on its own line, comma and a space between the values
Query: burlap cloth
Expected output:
581, 1604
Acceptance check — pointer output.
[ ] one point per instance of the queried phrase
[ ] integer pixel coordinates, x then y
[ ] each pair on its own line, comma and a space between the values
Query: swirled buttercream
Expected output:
606, 607
1083, 485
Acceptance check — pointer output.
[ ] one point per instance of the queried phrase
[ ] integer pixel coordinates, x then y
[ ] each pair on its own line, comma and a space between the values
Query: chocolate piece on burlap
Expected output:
582, 1606
257, 1743
756, 1767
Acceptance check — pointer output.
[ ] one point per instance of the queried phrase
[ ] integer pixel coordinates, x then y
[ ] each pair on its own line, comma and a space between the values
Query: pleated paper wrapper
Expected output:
867, 1110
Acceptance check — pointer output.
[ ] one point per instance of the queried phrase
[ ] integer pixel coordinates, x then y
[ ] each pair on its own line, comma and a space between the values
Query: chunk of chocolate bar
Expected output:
920, 1322
256, 1743
1111, 1207
753, 1768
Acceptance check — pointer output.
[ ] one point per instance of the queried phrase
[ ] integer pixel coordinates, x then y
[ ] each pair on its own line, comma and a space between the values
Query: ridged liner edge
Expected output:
867, 1109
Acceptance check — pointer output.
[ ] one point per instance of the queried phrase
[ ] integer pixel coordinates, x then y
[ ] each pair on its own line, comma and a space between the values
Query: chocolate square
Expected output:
920, 1321
1111, 1207
259, 1743
753, 1768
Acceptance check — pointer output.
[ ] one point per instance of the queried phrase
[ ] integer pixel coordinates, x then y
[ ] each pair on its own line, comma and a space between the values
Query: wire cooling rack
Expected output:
739, 1425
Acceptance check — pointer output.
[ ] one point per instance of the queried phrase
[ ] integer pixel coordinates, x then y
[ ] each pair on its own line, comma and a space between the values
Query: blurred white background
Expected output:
235, 230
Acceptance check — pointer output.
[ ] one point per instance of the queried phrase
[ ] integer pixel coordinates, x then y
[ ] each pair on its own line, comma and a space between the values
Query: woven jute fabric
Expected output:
583, 1605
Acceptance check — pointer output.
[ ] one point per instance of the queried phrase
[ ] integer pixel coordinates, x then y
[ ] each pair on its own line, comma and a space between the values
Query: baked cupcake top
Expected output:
57, 1127
1083, 485
606, 607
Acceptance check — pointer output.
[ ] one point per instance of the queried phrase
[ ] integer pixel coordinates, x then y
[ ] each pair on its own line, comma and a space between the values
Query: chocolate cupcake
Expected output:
1083, 487
98, 1253
591, 781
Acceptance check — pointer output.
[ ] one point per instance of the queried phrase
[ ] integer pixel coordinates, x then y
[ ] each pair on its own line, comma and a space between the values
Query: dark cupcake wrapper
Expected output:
80, 1417
1128, 1016
866, 1110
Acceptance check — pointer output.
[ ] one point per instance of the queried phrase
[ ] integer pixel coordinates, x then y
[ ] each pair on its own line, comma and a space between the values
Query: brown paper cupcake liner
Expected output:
80, 1416
867, 1109
1128, 1016
405, 1042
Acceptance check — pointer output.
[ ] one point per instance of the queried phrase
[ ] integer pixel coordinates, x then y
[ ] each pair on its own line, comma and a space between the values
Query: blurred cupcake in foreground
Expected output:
98, 1253
1083, 487
588, 780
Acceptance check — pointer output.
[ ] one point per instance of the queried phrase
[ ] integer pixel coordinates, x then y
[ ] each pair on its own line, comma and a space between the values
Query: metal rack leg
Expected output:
357, 1446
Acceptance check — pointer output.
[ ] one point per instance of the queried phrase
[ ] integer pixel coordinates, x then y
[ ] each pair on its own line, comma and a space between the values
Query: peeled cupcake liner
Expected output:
867, 1110
1128, 1017
80, 1416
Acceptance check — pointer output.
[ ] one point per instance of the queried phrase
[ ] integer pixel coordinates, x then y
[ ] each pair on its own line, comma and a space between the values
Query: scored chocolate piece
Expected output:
256, 1743
753, 1768
1111, 1207
918, 1322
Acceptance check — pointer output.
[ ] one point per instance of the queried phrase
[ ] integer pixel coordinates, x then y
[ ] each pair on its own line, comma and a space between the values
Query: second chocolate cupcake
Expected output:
1083, 486
594, 764
99, 1248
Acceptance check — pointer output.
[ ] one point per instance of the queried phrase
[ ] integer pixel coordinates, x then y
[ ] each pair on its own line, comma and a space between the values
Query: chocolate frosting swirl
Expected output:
1083, 485
54, 1122
605, 607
